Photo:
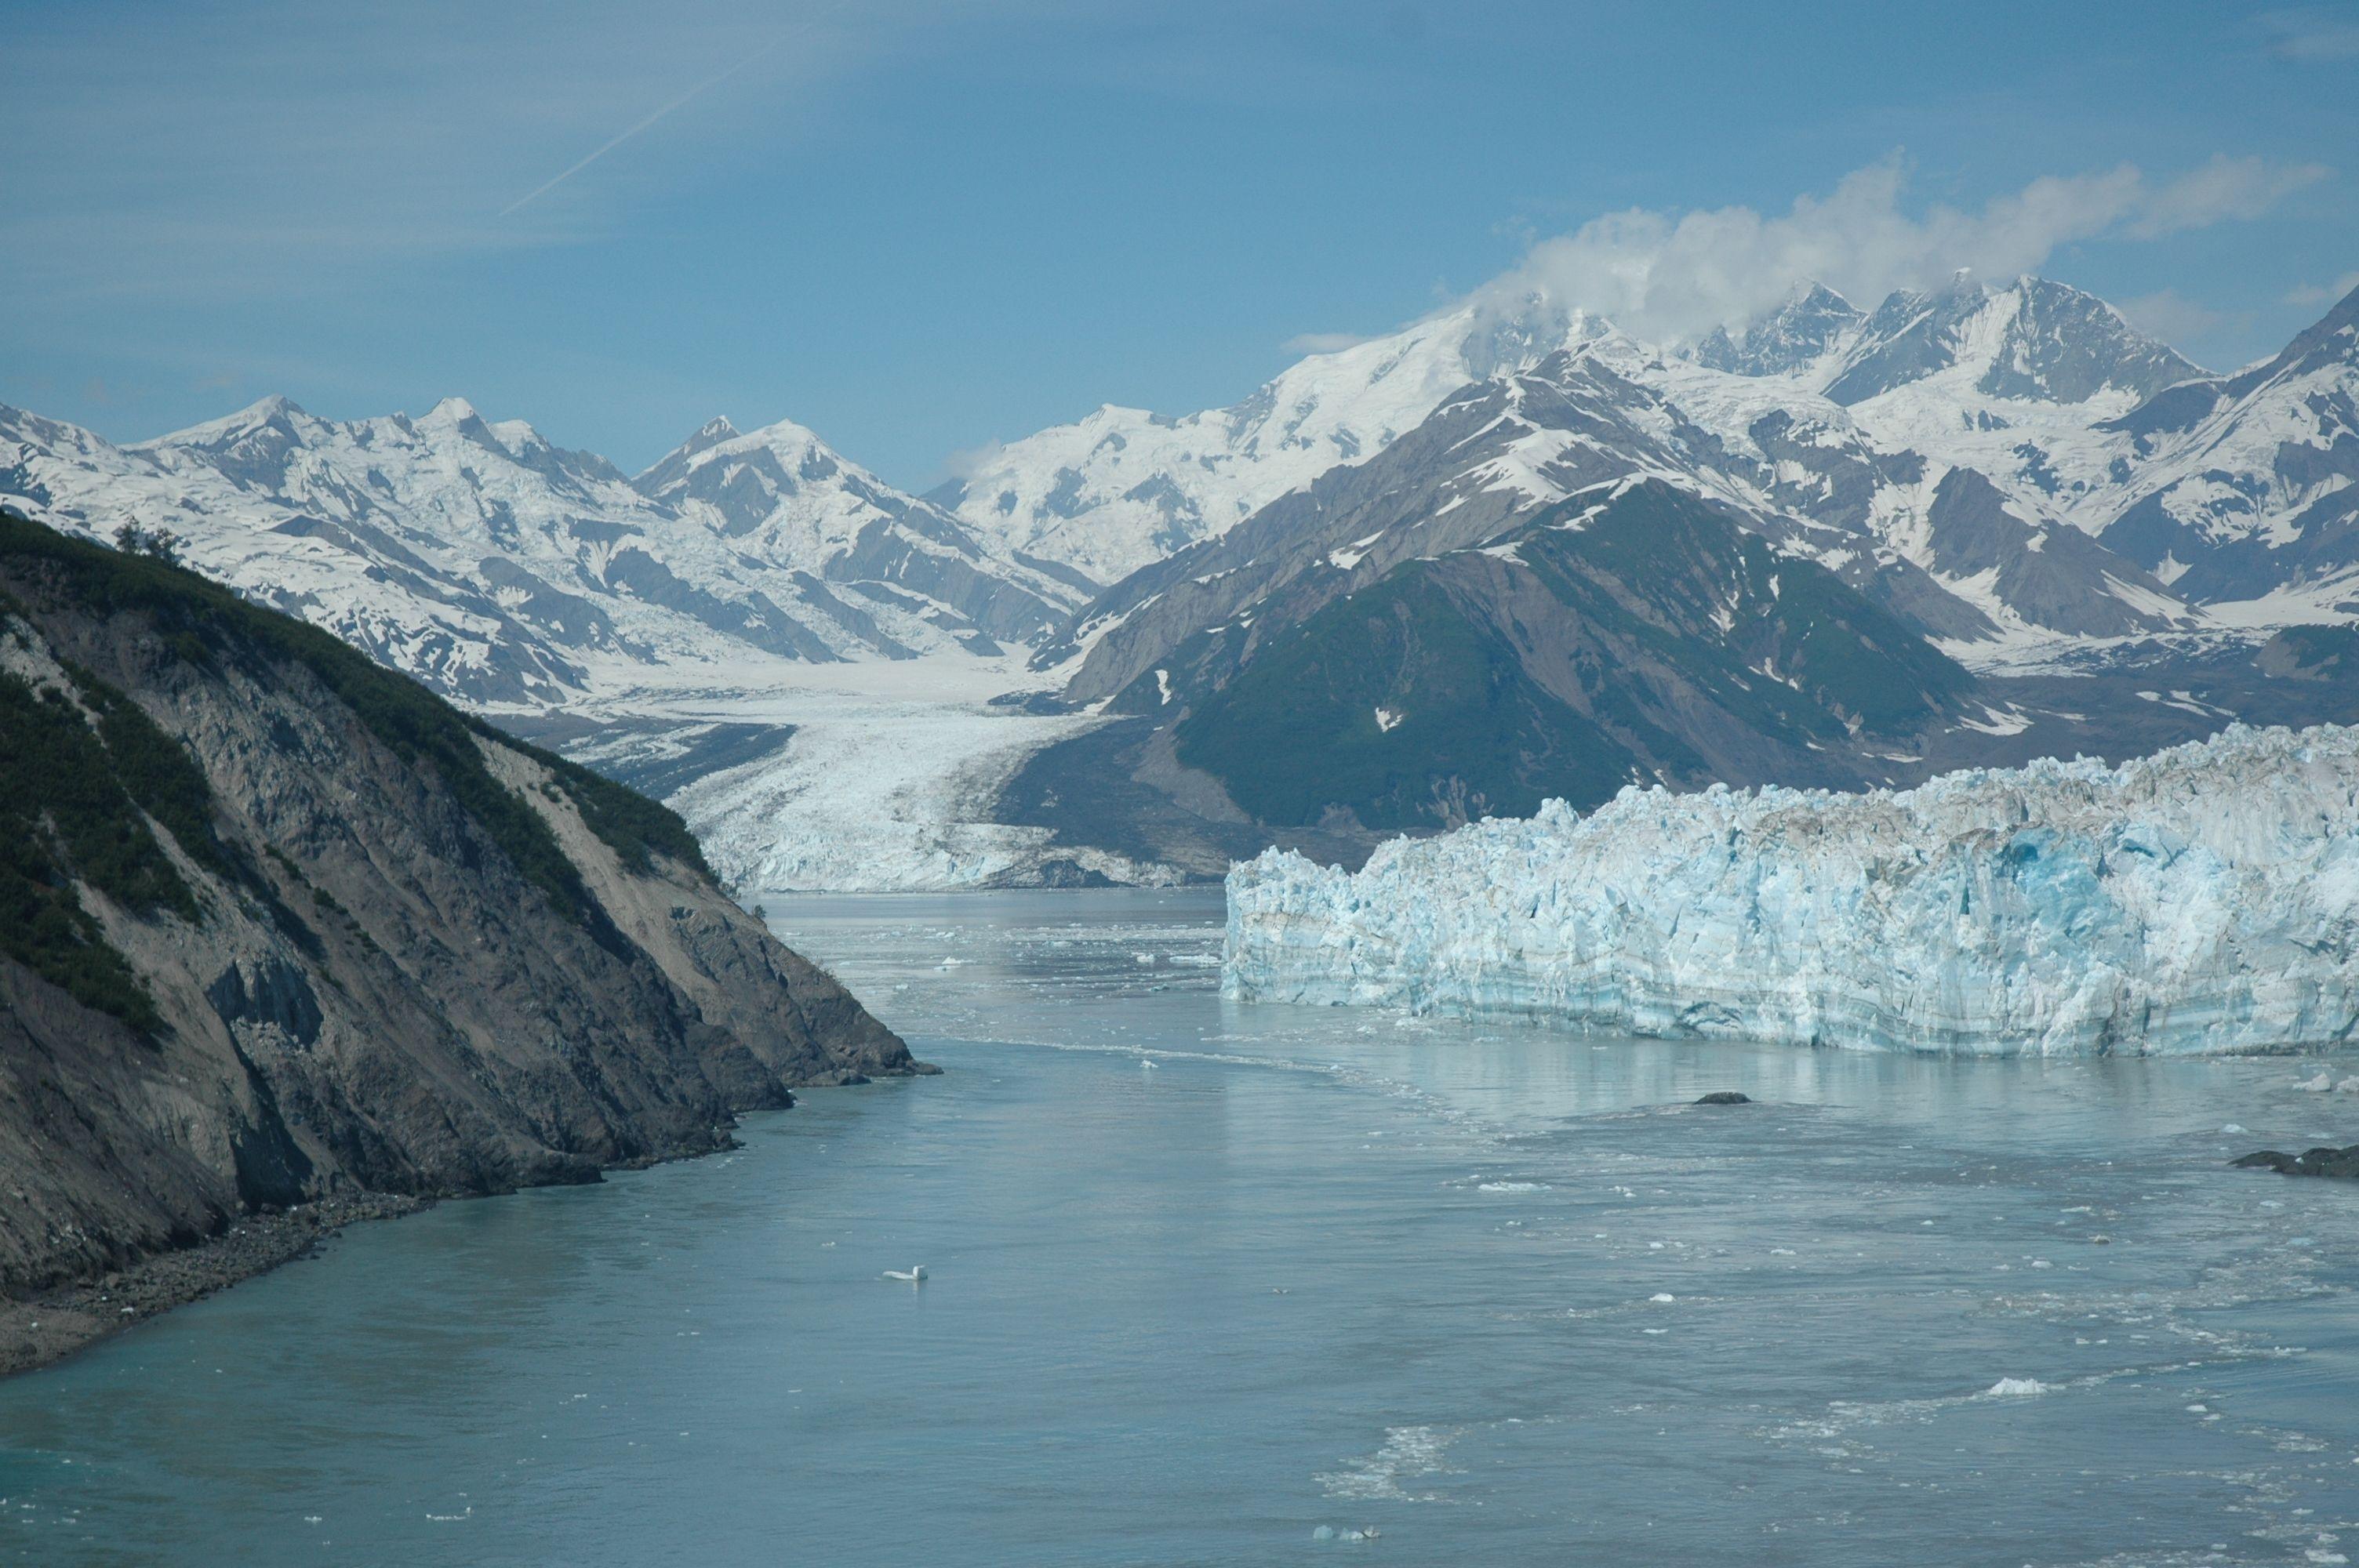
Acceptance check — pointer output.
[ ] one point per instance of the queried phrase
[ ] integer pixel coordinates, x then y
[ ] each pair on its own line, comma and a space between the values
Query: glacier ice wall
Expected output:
2199, 900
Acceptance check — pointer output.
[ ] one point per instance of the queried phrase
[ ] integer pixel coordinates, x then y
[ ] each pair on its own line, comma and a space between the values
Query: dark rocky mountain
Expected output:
280, 928
1648, 639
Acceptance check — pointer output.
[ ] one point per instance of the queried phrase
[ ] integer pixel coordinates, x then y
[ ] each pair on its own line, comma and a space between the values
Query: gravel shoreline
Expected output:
54, 1323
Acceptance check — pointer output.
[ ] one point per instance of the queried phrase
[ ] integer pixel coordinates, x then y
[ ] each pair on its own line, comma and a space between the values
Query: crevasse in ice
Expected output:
2199, 900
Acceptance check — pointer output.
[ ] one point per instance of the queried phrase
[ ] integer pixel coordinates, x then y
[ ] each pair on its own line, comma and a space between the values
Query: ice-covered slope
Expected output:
2243, 489
1994, 374
504, 569
2205, 898
2030, 341
1123, 488
1799, 338
1997, 579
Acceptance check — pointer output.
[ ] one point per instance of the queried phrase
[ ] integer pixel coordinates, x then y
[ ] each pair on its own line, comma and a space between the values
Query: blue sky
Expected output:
920, 227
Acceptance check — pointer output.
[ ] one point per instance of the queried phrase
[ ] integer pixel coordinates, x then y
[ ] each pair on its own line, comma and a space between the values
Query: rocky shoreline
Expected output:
52, 1324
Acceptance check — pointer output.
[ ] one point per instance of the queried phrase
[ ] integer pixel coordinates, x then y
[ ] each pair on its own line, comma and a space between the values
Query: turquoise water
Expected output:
1314, 1268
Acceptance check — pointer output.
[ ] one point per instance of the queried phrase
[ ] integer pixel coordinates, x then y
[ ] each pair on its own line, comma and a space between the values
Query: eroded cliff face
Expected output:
276, 924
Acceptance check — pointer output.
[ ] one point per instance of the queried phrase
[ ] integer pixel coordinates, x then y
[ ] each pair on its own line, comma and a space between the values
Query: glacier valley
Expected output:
2201, 900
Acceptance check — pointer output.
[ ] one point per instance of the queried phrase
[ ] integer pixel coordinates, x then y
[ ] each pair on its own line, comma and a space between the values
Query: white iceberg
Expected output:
2205, 898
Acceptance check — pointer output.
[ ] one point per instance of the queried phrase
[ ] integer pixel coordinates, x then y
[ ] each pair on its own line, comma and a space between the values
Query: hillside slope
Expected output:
278, 926
1646, 639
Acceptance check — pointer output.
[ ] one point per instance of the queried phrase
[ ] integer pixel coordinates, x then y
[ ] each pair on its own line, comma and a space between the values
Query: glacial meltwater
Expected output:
1219, 1283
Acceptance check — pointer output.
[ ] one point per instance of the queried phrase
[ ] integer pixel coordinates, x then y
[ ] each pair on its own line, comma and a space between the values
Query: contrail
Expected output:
701, 88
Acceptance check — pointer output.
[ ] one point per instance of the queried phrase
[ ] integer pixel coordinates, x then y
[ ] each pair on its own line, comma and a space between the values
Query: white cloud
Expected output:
968, 462
2169, 315
1674, 276
1323, 342
2222, 189
2310, 32
2322, 293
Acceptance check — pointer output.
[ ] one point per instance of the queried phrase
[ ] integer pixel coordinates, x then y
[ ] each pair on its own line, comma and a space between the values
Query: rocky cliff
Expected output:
279, 926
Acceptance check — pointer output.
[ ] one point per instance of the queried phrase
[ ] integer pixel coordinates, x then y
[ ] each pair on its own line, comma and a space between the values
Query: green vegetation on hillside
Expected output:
1299, 730
65, 815
205, 624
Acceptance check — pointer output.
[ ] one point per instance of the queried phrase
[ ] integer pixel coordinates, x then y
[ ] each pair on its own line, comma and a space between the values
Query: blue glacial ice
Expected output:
2205, 898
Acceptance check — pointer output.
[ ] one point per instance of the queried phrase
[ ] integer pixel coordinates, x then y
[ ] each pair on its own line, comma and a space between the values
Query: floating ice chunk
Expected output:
1324, 1532
1512, 1188
2014, 1389
1663, 1296
2232, 1126
2317, 1086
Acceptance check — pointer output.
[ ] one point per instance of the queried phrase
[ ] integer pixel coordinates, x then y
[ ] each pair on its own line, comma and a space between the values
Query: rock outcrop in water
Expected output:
2328, 1161
278, 926
2205, 898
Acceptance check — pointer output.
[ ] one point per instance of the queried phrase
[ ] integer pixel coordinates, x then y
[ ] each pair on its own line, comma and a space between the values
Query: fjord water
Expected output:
1500, 1294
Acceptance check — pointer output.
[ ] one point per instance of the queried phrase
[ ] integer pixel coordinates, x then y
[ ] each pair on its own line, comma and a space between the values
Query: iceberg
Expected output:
2201, 900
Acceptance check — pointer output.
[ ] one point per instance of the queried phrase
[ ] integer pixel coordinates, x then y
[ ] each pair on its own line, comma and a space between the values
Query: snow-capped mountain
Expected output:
1123, 488
2007, 470
507, 570
1814, 325
1994, 374
1637, 633
1995, 577
2031, 341
1964, 490
2244, 488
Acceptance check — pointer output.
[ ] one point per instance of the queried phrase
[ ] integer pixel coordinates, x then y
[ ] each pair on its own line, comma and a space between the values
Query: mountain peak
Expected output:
269, 407
783, 433
274, 413
454, 410
2334, 337
1812, 322
2033, 339
717, 428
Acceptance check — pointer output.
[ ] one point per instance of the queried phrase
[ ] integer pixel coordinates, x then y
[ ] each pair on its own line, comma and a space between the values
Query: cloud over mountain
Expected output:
1674, 276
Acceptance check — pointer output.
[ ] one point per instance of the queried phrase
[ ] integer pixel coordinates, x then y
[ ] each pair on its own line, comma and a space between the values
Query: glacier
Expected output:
2201, 900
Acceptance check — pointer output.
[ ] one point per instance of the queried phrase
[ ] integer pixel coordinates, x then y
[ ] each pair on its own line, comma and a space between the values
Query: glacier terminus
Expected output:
2202, 900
